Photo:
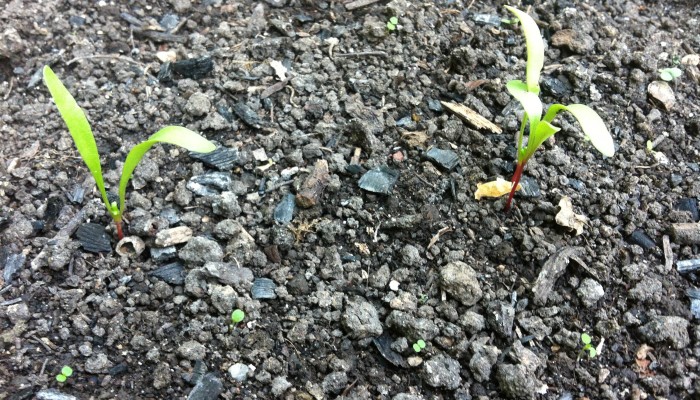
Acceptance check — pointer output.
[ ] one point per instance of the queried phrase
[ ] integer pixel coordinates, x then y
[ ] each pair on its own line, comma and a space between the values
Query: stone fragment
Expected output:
98, 364
207, 388
483, 360
280, 385
239, 372
573, 40
311, 190
660, 92
590, 291
163, 254
686, 233
442, 371
284, 212
379, 180
199, 250
335, 382
229, 274
53, 394
361, 319
161, 376
173, 236
460, 280
192, 350
412, 327
670, 329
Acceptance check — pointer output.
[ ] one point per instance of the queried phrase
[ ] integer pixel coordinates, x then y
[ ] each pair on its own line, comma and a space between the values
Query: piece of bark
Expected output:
552, 269
471, 117
313, 186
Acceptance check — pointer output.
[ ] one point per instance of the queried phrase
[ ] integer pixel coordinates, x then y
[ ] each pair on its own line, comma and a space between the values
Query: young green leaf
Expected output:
543, 130
592, 352
176, 135
593, 128
237, 316
67, 371
669, 74
394, 20
535, 49
61, 378
585, 338
530, 102
78, 126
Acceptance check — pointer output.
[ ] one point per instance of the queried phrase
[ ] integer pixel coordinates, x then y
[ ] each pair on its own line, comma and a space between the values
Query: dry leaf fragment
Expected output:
567, 218
496, 188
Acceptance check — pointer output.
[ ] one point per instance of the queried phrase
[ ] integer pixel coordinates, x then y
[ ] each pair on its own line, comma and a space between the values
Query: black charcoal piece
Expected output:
53, 207
248, 115
94, 238
383, 344
379, 180
447, 159
263, 288
529, 187
354, 169
163, 254
209, 184
194, 69
223, 158
555, 86
487, 19
173, 274
284, 212
639, 237
12, 263
689, 205
225, 112
687, 266
209, 387
76, 194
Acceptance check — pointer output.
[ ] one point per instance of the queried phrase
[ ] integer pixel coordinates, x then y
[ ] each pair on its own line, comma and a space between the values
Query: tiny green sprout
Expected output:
541, 128
236, 317
66, 371
392, 24
670, 74
418, 346
80, 130
587, 346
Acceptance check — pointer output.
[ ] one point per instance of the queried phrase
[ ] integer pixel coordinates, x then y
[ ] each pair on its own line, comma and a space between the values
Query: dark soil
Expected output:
358, 276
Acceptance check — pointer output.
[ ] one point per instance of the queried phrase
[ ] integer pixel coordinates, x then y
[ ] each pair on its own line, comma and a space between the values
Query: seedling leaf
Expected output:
237, 316
592, 352
530, 101
594, 128
421, 343
585, 338
394, 20
67, 371
78, 126
61, 378
669, 74
176, 135
535, 49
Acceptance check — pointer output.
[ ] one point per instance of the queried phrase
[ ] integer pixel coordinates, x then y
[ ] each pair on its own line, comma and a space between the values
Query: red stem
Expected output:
120, 233
514, 183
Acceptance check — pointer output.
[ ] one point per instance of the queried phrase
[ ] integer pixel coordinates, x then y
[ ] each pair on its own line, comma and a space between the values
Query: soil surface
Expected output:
339, 213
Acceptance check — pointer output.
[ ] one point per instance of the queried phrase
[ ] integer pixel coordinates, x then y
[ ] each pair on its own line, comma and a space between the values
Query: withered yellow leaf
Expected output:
496, 188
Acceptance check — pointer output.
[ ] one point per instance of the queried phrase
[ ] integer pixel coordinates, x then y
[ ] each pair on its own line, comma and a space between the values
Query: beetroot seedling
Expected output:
66, 372
587, 347
80, 130
541, 128
236, 317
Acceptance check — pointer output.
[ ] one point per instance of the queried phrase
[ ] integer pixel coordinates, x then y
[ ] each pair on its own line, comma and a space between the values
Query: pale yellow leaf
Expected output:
496, 188
567, 218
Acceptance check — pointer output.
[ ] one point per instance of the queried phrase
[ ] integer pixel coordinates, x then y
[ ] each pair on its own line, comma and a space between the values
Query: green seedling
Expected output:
236, 317
587, 347
541, 128
66, 371
670, 74
80, 130
418, 345
392, 24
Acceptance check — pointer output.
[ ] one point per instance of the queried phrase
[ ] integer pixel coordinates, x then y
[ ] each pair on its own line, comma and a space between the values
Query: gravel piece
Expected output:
686, 233
573, 40
279, 386
460, 280
199, 250
670, 329
223, 298
472, 322
411, 327
13, 263
192, 350
230, 274
53, 394
361, 319
98, 364
660, 92
173, 236
207, 388
284, 212
516, 382
590, 291
552, 269
483, 360
18, 312
535, 326
500, 318
442, 371
335, 382
162, 254
239, 372
209, 184
226, 205
198, 104
639, 237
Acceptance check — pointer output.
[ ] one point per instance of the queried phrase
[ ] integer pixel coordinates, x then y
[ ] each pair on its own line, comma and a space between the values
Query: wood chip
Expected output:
471, 117
668, 253
552, 269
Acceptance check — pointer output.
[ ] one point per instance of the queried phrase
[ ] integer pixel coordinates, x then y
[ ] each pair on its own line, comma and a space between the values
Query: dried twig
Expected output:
108, 57
363, 53
354, 5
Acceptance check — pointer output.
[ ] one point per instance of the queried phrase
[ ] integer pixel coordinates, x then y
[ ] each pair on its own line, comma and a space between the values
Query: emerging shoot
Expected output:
80, 130
236, 317
587, 347
66, 371
540, 128
418, 345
